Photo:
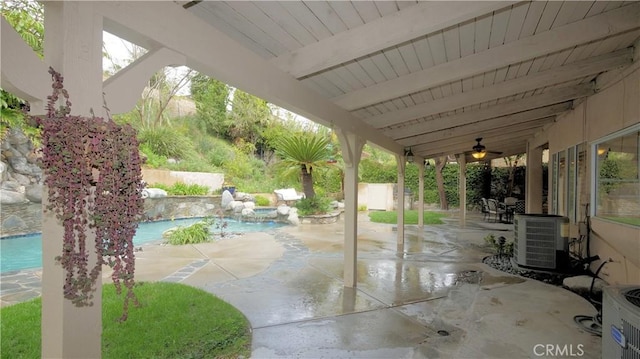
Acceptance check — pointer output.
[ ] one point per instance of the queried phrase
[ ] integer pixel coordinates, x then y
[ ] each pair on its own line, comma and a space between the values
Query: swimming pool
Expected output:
25, 252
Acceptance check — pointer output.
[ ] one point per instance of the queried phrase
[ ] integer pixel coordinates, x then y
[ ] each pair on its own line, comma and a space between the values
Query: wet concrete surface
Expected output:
432, 299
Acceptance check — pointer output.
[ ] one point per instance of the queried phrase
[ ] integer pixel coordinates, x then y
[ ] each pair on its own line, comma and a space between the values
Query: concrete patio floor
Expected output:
435, 299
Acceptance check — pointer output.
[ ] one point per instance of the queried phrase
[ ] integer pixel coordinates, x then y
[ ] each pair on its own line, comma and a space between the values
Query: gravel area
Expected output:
503, 263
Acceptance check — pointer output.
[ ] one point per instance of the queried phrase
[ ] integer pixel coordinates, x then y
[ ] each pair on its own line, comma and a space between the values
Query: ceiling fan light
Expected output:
479, 155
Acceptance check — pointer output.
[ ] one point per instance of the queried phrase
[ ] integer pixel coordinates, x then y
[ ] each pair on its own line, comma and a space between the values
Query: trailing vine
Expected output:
92, 171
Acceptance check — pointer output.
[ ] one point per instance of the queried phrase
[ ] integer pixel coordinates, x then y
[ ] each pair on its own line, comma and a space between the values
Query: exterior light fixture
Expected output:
409, 155
479, 151
601, 150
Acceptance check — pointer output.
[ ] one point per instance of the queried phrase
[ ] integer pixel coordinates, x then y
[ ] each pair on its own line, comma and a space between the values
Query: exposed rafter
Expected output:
554, 96
515, 139
407, 24
592, 28
555, 75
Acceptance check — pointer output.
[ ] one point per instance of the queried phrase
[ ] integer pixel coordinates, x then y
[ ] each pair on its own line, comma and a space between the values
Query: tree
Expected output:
301, 153
512, 164
211, 97
441, 162
249, 117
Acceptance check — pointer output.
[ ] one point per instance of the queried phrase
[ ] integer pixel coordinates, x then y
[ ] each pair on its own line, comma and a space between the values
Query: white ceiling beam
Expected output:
213, 53
592, 28
407, 24
550, 97
497, 122
22, 70
493, 140
590, 66
515, 139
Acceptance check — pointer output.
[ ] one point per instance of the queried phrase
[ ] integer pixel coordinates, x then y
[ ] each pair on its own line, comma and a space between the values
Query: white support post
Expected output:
421, 193
351, 146
73, 47
533, 193
401, 161
462, 161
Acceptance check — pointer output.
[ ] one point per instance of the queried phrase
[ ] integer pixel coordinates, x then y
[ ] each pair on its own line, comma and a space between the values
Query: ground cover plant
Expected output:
410, 217
174, 321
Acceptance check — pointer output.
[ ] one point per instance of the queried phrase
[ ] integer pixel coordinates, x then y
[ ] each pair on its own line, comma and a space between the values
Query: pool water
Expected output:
25, 252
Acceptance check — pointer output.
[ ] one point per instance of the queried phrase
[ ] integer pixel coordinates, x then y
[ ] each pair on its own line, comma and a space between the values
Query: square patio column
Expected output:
401, 162
533, 193
421, 193
73, 47
462, 191
351, 146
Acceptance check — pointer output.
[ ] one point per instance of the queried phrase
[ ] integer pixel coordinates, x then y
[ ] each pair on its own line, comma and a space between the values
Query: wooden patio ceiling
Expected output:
436, 75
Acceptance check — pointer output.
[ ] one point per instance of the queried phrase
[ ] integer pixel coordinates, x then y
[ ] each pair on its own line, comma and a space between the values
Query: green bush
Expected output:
166, 141
182, 189
315, 205
262, 201
198, 232
362, 208
501, 247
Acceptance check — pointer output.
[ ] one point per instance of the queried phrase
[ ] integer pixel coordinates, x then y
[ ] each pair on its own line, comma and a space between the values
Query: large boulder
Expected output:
283, 210
249, 205
11, 197
293, 217
227, 198
3, 171
248, 212
236, 206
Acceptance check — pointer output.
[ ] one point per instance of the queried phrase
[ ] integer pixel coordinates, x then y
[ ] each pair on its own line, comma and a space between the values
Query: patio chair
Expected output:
485, 208
287, 195
520, 206
495, 210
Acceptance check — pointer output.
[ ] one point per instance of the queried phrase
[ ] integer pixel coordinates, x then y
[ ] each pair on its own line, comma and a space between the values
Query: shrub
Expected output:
500, 245
262, 201
165, 141
182, 189
362, 208
198, 232
315, 205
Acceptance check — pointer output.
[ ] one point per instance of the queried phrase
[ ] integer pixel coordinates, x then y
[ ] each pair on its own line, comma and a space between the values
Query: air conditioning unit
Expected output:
541, 241
621, 322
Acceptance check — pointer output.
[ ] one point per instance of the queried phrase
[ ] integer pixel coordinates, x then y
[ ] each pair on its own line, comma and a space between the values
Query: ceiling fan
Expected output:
479, 151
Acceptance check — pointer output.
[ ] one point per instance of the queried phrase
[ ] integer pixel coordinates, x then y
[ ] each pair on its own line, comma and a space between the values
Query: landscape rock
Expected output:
227, 198
293, 217
283, 210
22, 179
248, 212
236, 206
11, 197
13, 223
3, 171
34, 193
11, 185
153, 193
249, 205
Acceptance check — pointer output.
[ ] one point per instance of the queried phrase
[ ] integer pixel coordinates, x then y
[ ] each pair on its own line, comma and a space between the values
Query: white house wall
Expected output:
613, 109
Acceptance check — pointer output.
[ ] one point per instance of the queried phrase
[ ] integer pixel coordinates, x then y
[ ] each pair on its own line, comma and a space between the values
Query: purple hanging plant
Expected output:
92, 171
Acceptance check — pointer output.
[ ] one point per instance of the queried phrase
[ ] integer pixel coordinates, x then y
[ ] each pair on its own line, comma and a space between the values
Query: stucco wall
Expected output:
613, 109
212, 180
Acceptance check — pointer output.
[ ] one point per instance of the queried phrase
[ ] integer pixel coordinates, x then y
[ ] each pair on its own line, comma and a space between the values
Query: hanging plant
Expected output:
92, 171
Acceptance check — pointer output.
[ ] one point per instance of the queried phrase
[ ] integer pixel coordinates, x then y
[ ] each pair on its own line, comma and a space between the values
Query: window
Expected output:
617, 189
569, 182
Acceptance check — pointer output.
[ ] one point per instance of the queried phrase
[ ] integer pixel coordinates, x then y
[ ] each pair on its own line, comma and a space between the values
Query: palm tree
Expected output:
302, 152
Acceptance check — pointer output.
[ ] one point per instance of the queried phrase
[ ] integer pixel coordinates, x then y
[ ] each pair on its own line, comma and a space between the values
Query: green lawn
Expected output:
410, 217
174, 321
634, 221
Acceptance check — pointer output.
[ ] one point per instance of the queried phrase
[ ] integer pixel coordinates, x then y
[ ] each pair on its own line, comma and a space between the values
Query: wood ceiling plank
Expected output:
536, 8
281, 16
549, 14
558, 39
358, 72
325, 13
546, 99
572, 11
423, 52
367, 10
372, 70
482, 33
306, 18
516, 21
258, 18
347, 13
409, 57
451, 38
499, 27
466, 31
382, 63
437, 49
396, 61
398, 27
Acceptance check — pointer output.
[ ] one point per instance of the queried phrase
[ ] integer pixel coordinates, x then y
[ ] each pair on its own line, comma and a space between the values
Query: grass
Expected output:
410, 217
174, 321
634, 221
